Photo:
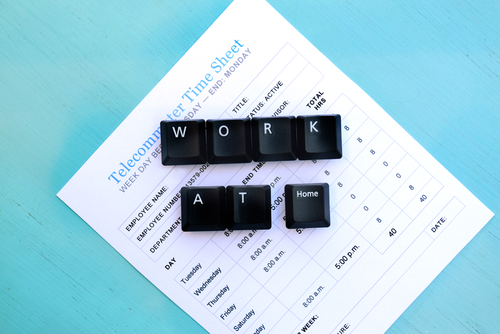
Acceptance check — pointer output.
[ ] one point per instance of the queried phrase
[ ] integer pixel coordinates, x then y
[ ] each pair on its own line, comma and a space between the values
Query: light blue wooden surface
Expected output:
70, 72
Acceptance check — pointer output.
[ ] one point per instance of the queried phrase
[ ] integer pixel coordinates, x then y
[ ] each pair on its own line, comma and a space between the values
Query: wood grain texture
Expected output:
71, 72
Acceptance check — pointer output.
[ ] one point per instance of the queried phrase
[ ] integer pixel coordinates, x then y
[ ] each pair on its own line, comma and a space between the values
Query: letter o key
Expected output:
221, 128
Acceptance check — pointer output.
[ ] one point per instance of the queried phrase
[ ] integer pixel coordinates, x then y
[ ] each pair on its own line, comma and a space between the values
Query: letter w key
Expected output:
180, 131
183, 142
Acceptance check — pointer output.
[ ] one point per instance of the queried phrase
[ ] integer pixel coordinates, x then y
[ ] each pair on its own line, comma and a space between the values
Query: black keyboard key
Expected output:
183, 142
229, 141
274, 138
203, 208
249, 207
307, 205
319, 137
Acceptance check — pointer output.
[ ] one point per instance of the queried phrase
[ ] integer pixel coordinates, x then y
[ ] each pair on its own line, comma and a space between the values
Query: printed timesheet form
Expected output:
397, 216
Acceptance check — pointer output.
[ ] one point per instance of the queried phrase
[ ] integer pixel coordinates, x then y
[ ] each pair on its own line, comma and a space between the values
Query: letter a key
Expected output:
203, 208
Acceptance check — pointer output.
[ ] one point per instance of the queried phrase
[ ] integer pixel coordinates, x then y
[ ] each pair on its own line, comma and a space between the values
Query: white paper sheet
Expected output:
398, 217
